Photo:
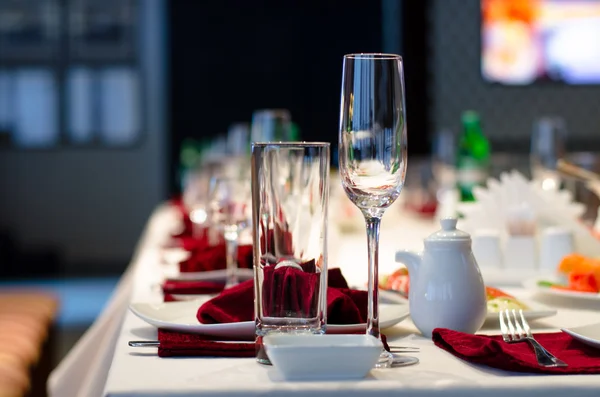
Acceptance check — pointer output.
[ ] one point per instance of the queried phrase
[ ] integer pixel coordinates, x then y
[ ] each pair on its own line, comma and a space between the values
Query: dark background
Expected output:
228, 58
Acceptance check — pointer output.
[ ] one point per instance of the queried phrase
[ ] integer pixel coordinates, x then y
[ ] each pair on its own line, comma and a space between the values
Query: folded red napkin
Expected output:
519, 357
183, 214
206, 258
186, 287
344, 306
179, 344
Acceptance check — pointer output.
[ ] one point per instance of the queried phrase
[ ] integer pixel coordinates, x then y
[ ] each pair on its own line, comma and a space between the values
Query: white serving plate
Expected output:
322, 357
532, 284
588, 334
535, 312
181, 316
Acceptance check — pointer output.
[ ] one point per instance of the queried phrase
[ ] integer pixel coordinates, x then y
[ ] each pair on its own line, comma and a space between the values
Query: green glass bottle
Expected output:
473, 156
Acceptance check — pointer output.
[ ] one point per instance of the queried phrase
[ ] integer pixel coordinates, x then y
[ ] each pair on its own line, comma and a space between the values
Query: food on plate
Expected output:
398, 281
577, 273
497, 299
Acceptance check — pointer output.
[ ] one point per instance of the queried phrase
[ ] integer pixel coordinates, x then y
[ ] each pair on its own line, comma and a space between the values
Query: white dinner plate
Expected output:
181, 316
588, 334
532, 284
535, 312
212, 275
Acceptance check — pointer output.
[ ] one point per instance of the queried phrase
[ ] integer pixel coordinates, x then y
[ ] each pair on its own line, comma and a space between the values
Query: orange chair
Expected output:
26, 319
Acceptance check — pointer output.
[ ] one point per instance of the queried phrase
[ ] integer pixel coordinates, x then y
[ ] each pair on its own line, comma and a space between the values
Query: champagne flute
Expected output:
372, 152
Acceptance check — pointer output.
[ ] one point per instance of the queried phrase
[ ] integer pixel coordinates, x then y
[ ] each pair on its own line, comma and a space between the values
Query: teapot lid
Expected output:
448, 232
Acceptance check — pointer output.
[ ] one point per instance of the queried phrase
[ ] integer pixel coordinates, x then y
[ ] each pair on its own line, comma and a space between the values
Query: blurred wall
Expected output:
507, 112
93, 203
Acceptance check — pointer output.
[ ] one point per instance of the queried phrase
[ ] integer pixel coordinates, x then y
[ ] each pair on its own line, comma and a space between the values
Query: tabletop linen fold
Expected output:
492, 351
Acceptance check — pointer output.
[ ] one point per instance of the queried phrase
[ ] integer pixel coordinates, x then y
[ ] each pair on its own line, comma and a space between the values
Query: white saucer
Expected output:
322, 357
588, 334
181, 316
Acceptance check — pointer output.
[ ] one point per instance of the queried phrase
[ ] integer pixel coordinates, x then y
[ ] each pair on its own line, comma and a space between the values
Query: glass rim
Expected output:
378, 56
291, 144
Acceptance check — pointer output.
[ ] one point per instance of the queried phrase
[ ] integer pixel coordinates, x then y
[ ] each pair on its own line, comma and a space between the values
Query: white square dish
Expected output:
322, 357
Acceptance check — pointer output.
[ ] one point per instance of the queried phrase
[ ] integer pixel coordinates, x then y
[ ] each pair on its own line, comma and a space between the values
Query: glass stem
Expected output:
231, 244
373, 281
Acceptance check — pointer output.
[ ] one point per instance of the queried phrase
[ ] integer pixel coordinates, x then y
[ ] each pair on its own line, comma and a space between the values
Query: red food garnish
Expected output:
496, 293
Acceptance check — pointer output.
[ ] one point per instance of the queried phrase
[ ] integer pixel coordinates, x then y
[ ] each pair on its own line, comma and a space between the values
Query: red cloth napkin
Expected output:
344, 306
519, 357
205, 258
183, 213
186, 287
179, 344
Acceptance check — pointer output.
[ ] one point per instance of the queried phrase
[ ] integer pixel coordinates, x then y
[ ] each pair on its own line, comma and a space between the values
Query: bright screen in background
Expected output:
524, 41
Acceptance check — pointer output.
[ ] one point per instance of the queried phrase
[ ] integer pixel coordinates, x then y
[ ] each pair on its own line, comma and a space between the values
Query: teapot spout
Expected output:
412, 261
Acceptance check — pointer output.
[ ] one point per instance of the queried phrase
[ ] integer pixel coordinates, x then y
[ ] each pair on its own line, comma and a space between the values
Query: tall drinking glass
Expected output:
372, 152
290, 194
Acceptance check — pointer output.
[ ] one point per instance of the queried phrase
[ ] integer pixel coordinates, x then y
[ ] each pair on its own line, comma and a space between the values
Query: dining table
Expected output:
103, 364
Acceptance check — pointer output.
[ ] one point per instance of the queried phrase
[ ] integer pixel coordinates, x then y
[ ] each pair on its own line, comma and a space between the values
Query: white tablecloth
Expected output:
103, 357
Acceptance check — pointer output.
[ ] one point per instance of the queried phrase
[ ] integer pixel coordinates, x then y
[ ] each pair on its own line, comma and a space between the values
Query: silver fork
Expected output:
517, 330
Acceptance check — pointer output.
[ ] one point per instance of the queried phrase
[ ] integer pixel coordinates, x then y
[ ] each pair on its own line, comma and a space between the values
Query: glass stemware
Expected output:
230, 211
372, 152
547, 146
270, 125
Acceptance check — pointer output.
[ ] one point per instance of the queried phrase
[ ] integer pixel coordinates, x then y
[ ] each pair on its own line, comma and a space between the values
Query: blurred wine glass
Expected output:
547, 146
238, 139
196, 191
271, 125
230, 213
443, 157
443, 165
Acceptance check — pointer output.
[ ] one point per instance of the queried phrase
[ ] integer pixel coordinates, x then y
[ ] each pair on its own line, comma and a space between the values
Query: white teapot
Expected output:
446, 287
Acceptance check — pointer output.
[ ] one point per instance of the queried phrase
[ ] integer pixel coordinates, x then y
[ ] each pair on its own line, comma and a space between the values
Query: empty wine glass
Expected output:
547, 146
230, 212
271, 125
197, 190
372, 152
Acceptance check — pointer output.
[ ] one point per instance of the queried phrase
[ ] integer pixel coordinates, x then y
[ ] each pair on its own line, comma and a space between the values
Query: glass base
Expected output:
385, 360
261, 354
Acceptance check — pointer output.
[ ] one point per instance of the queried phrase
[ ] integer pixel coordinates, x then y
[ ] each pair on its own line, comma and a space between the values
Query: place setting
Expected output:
293, 295
257, 281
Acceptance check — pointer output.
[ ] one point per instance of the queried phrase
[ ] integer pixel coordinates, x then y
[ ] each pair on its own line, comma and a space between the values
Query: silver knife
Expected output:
155, 343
